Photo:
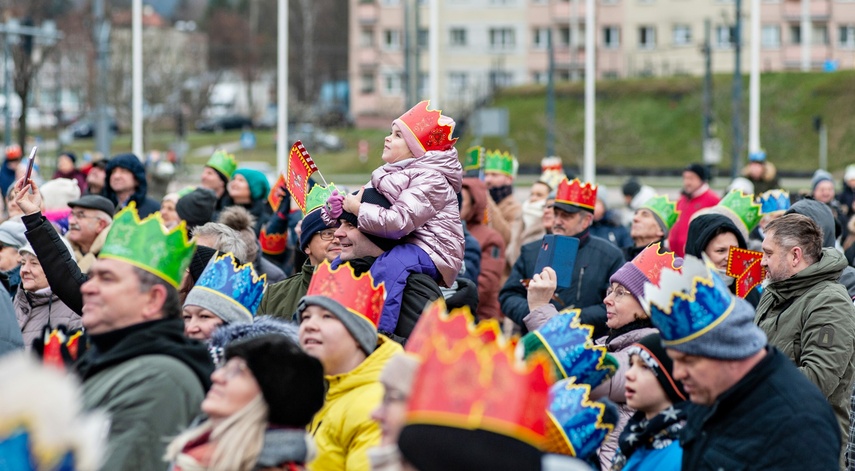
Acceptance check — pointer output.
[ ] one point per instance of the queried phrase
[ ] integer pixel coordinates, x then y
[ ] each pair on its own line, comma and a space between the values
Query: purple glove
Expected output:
334, 204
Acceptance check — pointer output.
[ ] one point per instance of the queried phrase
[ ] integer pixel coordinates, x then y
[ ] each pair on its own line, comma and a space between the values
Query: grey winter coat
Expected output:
34, 310
423, 192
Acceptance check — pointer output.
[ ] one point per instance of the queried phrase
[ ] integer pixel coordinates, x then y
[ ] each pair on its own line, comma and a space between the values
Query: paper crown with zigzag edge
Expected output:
358, 294
469, 379
664, 209
500, 161
689, 303
273, 244
223, 162
148, 245
425, 125
239, 285
552, 171
570, 346
652, 261
576, 425
744, 207
774, 200
318, 196
577, 194
473, 159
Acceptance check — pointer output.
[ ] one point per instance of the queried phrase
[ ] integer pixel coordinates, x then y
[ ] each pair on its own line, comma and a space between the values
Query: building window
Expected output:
770, 36
457, 83
422, 84
366, 37
457, 37
565, 36
725, 36
682, 35
422, 38
819, 34
392, 39
391, 3
502, 38
611, 37
501, 78
795, 34
646, 37
540, 38
392, 84
846, 36
366, 83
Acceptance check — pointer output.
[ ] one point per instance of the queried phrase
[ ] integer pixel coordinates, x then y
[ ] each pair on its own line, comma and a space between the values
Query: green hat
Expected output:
664, 209
148, 245
473, 160
223, 162
318, 196
503, 162
259, 186
744, 207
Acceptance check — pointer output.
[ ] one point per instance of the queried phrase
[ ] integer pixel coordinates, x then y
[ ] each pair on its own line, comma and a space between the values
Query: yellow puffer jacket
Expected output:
343, 429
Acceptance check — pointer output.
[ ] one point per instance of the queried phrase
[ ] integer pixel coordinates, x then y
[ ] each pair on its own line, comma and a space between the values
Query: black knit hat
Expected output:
653, 354
372, 196
441, 448
631, 187
699, 170
291, 381
196, 207
200, 260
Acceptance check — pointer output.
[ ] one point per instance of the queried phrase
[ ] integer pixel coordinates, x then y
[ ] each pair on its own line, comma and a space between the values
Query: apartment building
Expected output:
486, 44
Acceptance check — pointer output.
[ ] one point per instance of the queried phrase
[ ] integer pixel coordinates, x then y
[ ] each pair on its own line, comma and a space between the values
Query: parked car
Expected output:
222, 123
314, 138
84, 128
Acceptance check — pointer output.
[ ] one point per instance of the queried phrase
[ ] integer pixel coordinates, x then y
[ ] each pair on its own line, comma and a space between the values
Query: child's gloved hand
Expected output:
334, 204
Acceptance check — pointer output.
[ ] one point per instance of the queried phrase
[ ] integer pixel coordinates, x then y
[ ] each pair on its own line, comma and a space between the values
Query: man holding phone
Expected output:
596, 260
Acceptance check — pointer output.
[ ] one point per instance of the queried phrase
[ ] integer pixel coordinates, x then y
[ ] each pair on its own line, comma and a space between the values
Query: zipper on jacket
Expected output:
579, 286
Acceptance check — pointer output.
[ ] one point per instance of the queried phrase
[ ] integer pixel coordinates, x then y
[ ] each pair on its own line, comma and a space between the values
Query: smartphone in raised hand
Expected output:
30, 165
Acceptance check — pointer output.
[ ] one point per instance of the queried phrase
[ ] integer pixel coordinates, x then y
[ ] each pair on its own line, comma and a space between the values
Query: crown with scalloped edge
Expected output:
652, 261
148, 245
473, 159
500, 161
665, 209
439, 329
469, 378
570, 346
774, 200
273, 244
744, 207
318, 196
223, 162
576, 425
577, 194
357, 294
425, 125
238, 284
689, 303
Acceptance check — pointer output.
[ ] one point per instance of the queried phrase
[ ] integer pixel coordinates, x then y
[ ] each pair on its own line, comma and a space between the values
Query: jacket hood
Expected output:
702, 230
821, 214
478, 190
159, 337
128, 162
445, 162
829, 268
368, 372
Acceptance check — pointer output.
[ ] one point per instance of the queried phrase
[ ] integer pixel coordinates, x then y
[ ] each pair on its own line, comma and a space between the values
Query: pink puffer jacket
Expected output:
423, 192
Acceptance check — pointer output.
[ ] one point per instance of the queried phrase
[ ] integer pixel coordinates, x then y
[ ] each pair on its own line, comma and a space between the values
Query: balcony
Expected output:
367, 13
819, 10
563, 11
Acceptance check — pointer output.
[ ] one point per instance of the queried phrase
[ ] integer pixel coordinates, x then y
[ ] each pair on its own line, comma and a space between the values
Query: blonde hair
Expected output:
237, 440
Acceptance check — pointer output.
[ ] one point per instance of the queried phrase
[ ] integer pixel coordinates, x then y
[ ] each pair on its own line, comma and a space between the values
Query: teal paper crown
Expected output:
584, 423
774, 200
687, 305
744, 207
570, 346
318, 196
238, 284
664, 209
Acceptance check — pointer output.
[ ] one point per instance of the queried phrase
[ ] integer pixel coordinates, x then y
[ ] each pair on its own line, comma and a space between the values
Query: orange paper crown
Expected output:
357, 294
273, 244
577, 194
650, 262
469, 379
425, 125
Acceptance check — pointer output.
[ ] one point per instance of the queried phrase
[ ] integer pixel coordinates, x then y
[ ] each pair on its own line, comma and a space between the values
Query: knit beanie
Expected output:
225, 335
70, 155
653, 354
259, 186
57, 193
291, 381
312, 224
698, 170
444, 448
735, 338
200, 260
818, 177
196, 207
849, 173
372, 196
631, 275
400, 371
363, 331
631, 188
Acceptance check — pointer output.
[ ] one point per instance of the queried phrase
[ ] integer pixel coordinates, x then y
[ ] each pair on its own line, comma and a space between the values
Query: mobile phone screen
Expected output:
30, 164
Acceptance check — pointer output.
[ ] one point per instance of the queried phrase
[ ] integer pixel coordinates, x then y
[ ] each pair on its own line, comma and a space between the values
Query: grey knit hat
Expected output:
362, 331
226, 309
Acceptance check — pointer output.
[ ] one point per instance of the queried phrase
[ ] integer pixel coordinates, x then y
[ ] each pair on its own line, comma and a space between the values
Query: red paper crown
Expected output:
357, 294
470, 379
577, 194
436, 325
651, 262
273, 244
425, 126
744, 265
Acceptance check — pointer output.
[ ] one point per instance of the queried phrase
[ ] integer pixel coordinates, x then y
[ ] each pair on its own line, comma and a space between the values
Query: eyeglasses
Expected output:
81, 215
233, 369
328, 234
619, 292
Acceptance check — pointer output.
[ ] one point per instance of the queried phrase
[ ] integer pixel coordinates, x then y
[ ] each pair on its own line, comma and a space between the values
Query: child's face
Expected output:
395, 147
643, 391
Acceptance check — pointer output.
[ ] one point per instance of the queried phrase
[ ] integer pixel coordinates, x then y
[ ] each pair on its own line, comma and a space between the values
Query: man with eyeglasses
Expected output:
88, 225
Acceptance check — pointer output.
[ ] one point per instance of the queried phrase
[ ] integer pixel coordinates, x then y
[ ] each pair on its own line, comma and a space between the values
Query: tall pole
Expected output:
707, 119
737, 93
590, 168
408, 59
102, 38
754, 82
7, 77
823, 145
550, 96
433, 53
805, 33
282, 145
137, 80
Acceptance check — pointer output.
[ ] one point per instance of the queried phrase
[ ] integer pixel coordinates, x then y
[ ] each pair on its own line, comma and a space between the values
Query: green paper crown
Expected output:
744, 207
664, 209
498, 161
148, 245
473, 159
318, 196
223, 162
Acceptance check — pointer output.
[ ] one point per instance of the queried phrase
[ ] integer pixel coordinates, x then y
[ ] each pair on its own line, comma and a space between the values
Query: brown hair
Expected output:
796, 230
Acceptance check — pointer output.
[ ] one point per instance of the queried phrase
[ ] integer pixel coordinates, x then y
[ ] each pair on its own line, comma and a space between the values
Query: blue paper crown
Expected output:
570, 346
687, 305
584, 422
238, 283
17, 452
774, 200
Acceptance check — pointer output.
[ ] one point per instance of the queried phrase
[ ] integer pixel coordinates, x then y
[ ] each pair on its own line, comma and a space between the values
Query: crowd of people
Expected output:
411, 324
